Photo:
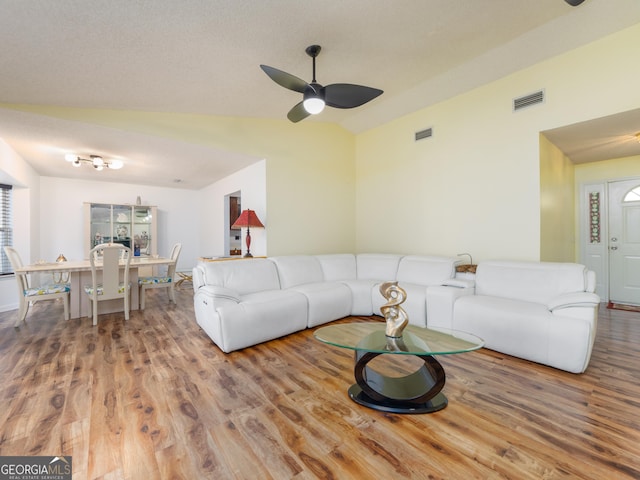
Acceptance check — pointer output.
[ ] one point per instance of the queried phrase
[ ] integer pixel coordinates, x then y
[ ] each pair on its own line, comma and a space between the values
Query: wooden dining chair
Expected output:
109, 259
28, 294
162, 281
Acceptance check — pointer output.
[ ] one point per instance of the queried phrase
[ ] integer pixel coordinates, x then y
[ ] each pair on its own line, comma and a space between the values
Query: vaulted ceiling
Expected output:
203, 57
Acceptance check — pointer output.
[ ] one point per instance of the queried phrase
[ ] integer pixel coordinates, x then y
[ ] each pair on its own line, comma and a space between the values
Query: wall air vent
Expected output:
528, 100
426, 133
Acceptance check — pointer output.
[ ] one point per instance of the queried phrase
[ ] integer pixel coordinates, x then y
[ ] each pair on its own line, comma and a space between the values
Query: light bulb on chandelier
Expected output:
96, 161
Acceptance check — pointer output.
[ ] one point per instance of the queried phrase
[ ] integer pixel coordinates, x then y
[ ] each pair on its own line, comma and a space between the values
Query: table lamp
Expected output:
248, 218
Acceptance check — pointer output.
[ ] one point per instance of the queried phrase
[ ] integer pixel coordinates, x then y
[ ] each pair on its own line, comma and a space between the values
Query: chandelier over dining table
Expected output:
96, 161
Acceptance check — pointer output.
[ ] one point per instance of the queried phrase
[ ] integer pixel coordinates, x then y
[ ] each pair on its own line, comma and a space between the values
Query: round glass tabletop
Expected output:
370, 337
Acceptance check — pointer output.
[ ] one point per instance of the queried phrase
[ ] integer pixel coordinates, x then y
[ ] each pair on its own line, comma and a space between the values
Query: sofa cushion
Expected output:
537, 282
377, 266
361, 303
341, 266
424, 270
243, 276
298, 270
327, 301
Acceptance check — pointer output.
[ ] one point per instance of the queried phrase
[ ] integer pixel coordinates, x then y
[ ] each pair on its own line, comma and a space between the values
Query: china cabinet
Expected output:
132, 225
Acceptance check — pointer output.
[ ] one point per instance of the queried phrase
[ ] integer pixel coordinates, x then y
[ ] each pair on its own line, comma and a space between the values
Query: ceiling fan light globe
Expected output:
70, 157
313, 105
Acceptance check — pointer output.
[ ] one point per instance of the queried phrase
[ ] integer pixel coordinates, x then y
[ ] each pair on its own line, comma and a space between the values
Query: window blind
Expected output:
6, 227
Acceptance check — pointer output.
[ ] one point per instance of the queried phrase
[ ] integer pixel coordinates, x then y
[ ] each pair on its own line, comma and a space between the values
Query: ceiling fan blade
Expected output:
297, 113
347, 95
285, 79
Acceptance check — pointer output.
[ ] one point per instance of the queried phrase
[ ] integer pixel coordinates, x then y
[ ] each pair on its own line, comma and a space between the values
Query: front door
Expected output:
624, 242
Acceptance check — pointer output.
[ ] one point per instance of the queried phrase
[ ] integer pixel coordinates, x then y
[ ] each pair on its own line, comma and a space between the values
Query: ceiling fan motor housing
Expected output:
313, 90
313, 50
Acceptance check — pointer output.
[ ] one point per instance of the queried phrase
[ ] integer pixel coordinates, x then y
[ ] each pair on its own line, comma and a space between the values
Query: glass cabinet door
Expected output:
142, 221
100, 224
121, 232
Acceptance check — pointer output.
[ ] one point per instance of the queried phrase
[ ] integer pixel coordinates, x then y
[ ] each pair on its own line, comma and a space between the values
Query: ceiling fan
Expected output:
315, 96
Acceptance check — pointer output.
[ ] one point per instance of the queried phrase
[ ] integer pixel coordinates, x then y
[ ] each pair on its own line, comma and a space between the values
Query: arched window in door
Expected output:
633, 195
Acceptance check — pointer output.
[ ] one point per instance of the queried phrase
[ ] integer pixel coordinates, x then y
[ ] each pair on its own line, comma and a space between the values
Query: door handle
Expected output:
614, 248
614, 239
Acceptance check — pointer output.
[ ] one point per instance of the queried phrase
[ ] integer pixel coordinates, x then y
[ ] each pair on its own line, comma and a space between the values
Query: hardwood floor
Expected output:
153, 398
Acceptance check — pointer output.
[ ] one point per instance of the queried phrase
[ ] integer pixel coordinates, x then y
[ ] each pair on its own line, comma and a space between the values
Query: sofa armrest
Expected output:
197, 276
219, 293
569, 300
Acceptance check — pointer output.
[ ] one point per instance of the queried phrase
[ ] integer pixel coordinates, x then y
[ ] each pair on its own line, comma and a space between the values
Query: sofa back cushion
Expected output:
298, 270
243, 276
377, 266
422, 270
340, 266
536, 282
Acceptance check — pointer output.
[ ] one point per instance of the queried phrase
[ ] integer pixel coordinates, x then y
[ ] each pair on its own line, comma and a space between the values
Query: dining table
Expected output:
78, 274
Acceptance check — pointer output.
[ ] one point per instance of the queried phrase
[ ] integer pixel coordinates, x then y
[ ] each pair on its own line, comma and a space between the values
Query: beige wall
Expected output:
557, 205
476, 185
608, 170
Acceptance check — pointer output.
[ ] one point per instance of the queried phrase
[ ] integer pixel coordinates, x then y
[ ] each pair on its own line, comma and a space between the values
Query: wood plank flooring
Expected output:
153, 398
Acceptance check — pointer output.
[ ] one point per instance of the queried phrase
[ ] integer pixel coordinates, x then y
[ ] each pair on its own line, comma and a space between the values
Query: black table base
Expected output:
418, 392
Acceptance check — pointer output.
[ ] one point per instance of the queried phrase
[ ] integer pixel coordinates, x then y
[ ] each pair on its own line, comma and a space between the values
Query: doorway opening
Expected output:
232, 238
610, 238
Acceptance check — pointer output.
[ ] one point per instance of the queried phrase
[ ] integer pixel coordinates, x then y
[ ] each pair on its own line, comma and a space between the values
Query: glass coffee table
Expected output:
417, 392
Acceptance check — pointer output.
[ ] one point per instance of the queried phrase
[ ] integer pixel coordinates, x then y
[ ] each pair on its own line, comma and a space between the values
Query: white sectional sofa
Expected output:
242, 303
540, 311
543, 312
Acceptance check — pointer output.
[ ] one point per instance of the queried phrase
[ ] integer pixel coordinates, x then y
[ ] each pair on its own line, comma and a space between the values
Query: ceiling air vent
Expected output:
426, 133
528, 100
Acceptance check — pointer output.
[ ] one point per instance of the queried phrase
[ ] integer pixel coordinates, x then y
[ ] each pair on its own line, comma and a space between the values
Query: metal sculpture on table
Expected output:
393, 313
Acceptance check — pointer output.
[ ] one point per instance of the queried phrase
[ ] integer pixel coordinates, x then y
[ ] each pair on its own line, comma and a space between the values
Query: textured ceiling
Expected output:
203, 56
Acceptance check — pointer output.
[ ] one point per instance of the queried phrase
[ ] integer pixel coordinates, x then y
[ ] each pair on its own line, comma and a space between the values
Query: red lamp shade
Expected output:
248, 218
